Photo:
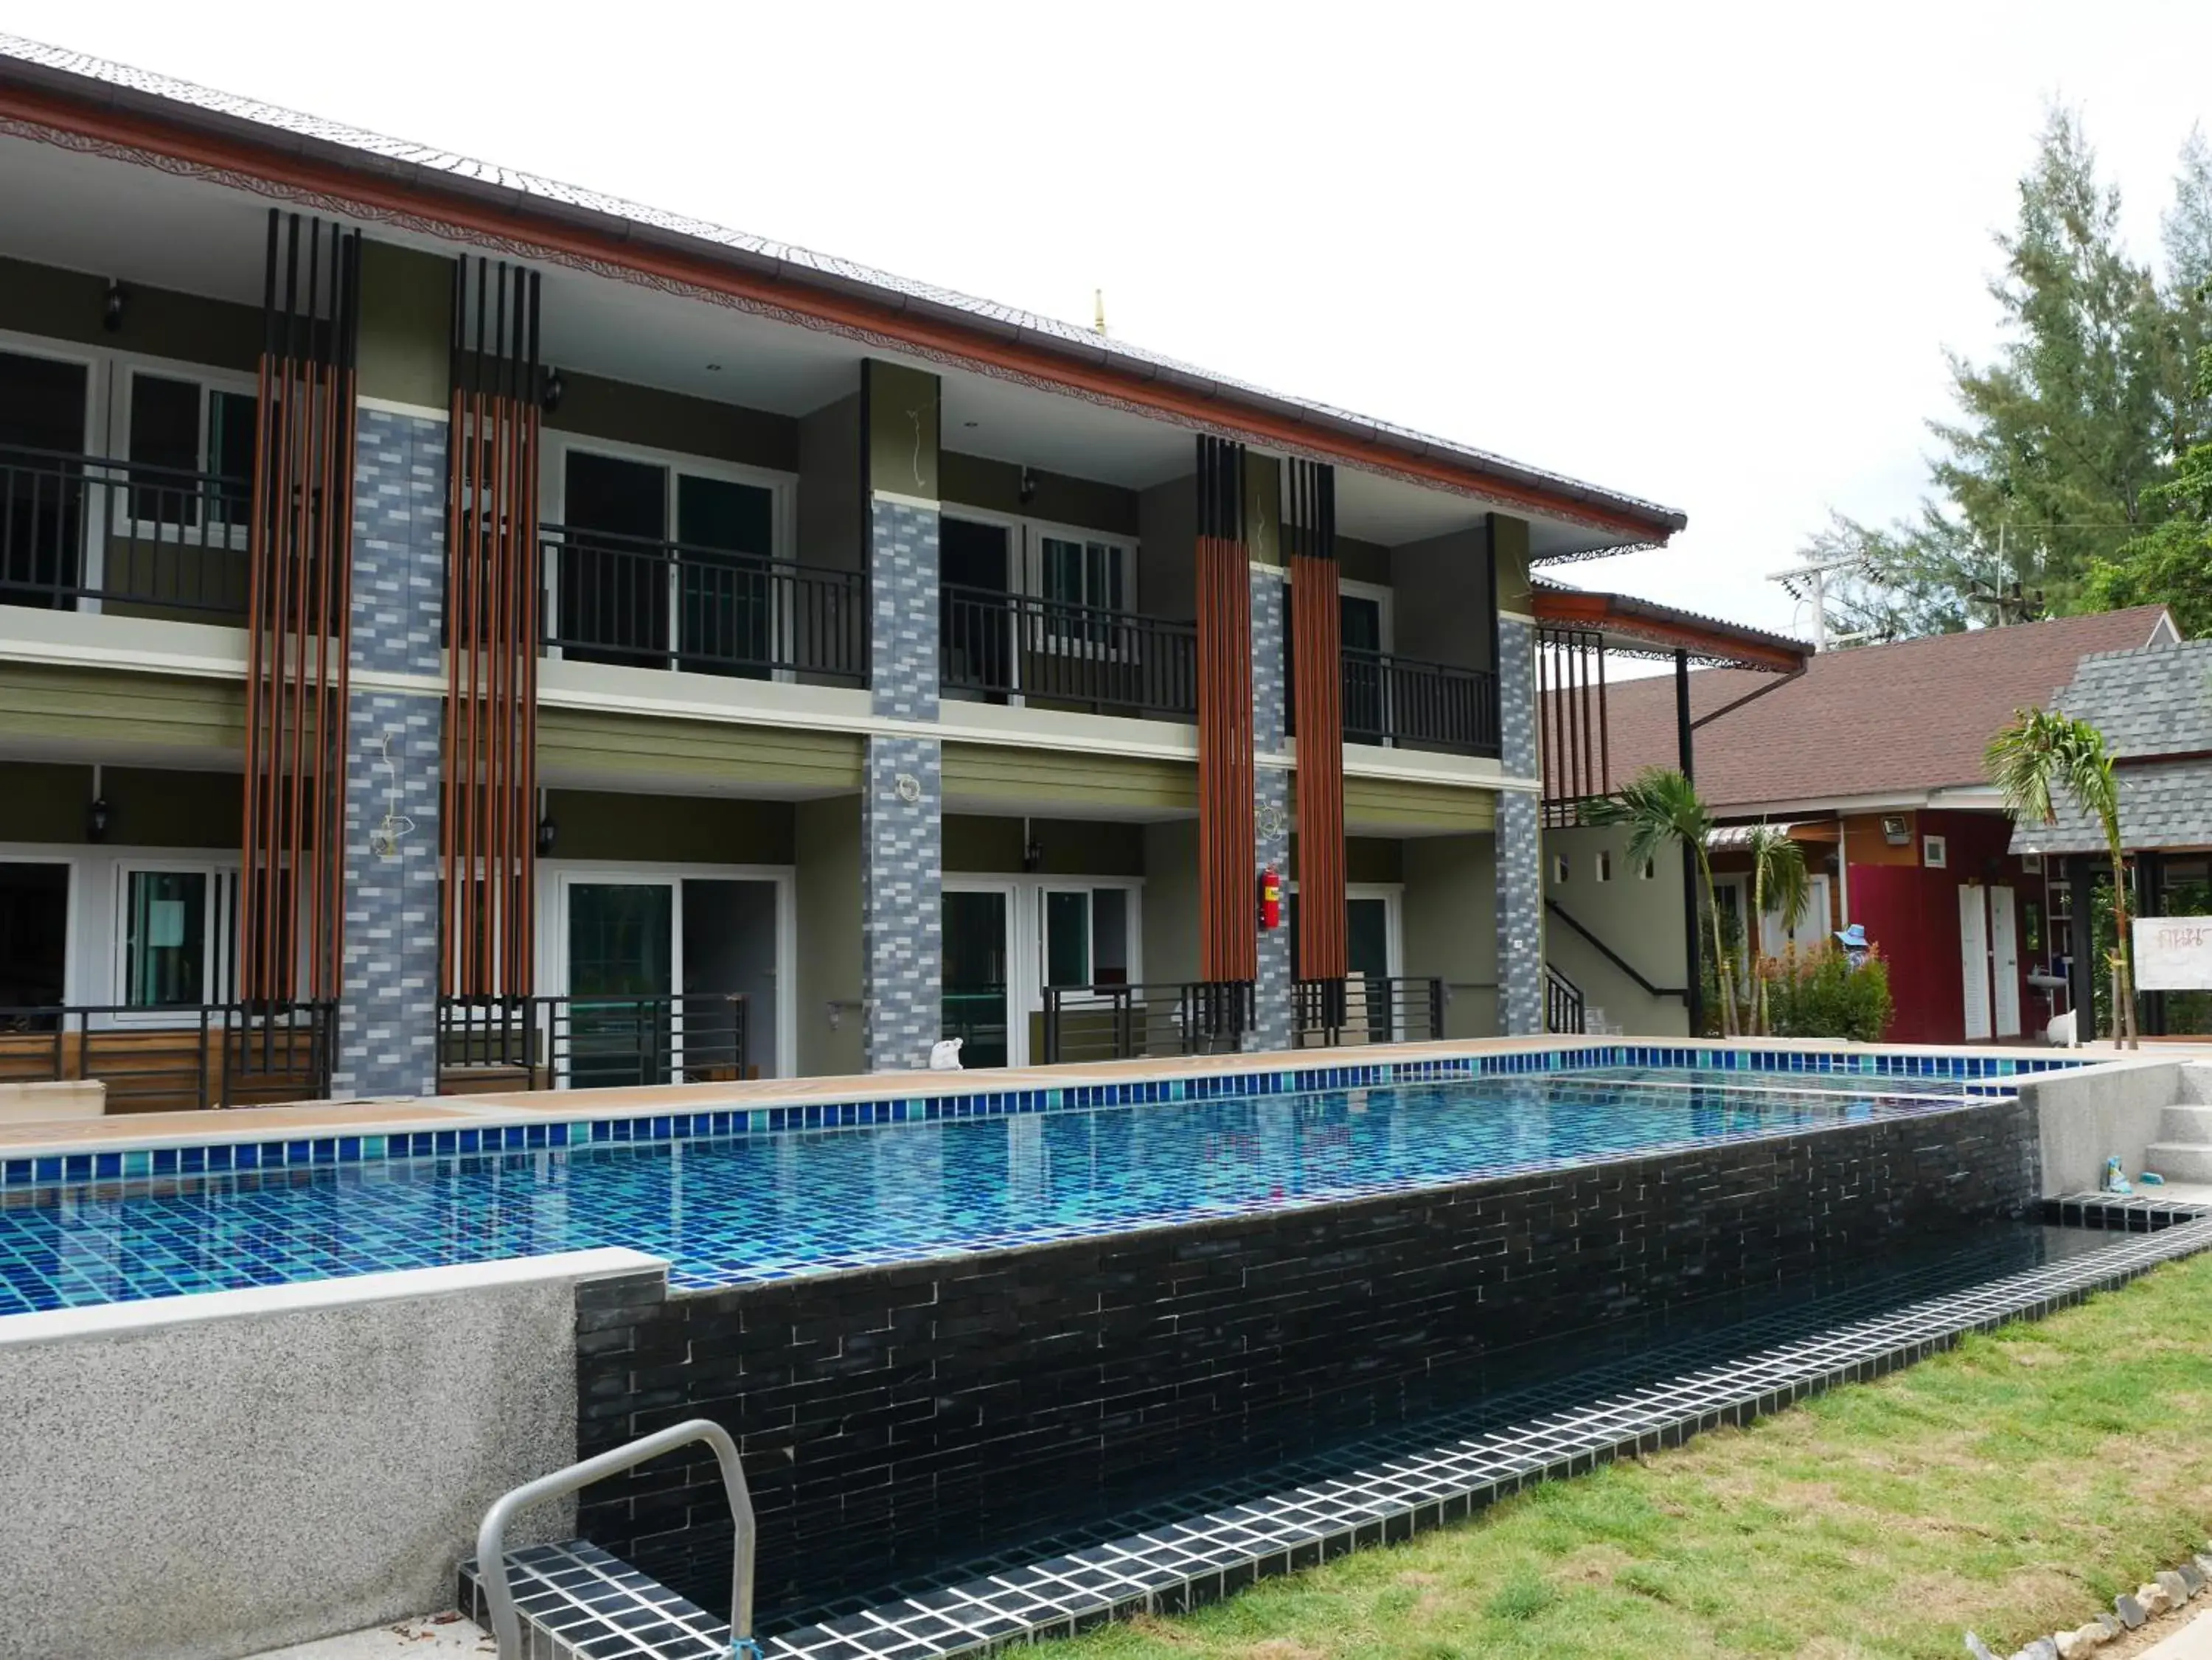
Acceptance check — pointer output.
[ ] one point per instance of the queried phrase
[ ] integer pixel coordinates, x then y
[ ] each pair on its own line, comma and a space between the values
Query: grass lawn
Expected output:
2012, 1485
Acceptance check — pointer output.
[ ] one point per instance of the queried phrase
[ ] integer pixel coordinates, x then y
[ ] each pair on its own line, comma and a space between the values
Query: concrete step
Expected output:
2186, 1123
2197, 1083
2179, 1161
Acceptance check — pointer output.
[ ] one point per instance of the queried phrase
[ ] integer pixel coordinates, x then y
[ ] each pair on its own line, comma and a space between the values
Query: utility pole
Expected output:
1808, 583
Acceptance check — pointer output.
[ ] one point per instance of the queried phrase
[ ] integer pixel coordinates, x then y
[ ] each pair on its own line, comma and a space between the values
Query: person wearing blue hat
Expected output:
1854, 941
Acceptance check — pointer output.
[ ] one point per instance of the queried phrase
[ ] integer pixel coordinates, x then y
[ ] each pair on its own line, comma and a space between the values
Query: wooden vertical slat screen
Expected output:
493, 592
1572, 724
1317, 675
1228, 872
300, 535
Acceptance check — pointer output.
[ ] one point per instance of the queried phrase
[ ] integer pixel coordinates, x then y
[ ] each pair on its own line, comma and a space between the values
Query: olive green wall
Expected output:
1167, 521
1450, 924
831, 532
1374, 858
1510, 542
980, 846
1129, 784
205, 716
1440, 608
1171, 901
47, 803
623, 412
669, 829
1058, 498
406, 326
827, 897
1263, 509
1386, 803
40, 300
905, 406
1363, 561
592, 744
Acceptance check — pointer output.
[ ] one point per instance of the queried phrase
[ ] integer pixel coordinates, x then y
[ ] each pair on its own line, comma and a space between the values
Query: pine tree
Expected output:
2050, 475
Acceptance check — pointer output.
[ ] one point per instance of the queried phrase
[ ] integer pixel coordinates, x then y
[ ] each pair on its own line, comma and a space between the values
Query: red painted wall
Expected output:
1912, 913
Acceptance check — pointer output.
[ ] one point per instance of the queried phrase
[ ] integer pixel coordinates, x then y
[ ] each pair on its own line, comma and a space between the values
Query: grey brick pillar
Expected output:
1519, 844
1271, 806
387, 1035
901, 840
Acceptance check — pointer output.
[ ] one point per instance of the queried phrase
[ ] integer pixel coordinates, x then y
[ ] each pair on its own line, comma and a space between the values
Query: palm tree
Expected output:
2041, 751
1662, 809
1777, 866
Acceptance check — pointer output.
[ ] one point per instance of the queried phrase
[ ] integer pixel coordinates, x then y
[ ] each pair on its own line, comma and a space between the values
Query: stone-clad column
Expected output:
1271, 807
1519, 841
387, 1035
901, 840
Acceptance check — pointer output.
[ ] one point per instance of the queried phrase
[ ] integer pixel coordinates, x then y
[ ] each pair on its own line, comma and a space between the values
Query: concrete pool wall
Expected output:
202, 1477
893, 1420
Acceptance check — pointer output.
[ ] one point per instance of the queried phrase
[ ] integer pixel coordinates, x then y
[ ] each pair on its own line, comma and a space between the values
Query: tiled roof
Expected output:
400, 155
2147, 703
1872, 720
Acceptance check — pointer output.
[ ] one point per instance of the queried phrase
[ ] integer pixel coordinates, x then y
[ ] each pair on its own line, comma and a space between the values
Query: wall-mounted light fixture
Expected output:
95, 820
110, 309
1032, 850
550, 392
1027, 488
547, 831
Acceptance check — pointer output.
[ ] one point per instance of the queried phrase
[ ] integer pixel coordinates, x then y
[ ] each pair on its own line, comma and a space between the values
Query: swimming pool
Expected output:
756, 1208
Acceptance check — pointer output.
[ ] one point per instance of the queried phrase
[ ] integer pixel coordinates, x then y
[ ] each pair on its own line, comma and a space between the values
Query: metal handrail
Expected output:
491, 1537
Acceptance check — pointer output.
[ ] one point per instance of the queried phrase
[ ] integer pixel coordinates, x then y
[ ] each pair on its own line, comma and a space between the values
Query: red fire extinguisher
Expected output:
1270, 900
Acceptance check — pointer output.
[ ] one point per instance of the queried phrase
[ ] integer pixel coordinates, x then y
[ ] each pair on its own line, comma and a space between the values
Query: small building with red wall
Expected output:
1873, 756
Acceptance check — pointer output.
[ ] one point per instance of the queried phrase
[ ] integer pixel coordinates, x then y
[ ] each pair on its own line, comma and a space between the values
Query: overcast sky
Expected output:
1709, 255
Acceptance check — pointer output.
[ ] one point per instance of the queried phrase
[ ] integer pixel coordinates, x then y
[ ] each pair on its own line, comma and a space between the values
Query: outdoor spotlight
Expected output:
550, 394
1033, 855
111, 311
95, 820
1028, 486
546, 832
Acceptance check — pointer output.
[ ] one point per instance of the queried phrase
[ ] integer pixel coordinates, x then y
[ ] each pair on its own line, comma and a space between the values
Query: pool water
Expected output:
769, 1206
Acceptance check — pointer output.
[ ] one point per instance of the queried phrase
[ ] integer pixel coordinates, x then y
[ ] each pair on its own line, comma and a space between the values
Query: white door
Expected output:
1812, 928
1974, 956
2004, 961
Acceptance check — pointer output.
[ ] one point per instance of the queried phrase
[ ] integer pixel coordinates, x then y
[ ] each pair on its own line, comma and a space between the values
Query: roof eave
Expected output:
59, 95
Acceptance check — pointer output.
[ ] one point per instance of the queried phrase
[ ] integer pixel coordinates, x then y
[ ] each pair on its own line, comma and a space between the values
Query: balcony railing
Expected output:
1050, 651
155, 1060
589, 1043
77, 529
1130, 1022
1429, 705
649, 604
1363, 1010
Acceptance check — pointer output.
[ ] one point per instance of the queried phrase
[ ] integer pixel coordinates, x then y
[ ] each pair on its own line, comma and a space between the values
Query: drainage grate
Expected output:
606, 1610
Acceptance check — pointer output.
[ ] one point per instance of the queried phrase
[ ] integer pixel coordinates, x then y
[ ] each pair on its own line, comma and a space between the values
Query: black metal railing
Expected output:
76, 528
1363, 1009
629, 600
1563, 1003
187, 1057
590, 1042
1436, 705
1128, 1022
1003, 644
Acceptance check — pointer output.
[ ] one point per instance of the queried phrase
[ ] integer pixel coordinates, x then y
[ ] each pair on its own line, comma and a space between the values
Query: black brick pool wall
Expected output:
893, 1420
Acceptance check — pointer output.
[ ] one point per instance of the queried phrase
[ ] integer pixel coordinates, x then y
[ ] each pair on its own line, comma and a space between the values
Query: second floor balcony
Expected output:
81, 533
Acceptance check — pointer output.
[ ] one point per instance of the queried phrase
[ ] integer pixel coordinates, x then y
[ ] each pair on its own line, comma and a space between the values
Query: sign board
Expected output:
2173, 953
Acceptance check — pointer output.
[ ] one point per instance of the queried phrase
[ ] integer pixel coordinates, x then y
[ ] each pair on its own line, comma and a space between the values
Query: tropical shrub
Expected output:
1817, 994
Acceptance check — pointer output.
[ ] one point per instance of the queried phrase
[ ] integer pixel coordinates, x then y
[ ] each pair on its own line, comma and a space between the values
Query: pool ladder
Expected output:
491, 1537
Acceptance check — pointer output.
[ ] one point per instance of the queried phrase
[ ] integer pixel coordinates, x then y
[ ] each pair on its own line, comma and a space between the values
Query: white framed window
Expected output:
1935, 853
175, 928
1650, 870
1604, 865
1559, 867
1085, 935
1087, 571
188, 433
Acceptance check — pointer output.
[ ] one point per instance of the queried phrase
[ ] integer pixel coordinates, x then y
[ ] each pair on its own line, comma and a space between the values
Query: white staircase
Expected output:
2183, 1152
